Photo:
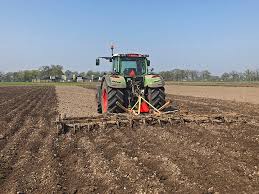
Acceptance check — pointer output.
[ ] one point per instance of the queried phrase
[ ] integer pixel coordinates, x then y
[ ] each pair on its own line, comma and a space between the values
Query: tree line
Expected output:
45, 72
193, 75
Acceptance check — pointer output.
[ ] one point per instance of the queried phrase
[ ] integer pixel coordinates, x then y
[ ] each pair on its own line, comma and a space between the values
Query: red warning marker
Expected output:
144, 107
132, 73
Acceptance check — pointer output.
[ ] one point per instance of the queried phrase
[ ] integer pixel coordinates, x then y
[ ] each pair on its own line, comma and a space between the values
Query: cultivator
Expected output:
66, 124
132, 120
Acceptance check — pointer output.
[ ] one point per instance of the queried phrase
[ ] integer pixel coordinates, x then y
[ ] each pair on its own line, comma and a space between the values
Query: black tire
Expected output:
99, 106
156, 96
114, 95
98, 99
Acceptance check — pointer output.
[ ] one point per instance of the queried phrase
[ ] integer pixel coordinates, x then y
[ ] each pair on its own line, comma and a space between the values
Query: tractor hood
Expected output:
154, 81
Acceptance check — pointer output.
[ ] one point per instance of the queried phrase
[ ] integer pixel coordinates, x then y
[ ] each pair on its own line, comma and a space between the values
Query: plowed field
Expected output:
27, 144
184, 158
238, 94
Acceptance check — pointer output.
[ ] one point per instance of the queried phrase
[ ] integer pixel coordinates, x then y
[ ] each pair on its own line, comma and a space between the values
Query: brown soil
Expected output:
184, 158
76, 101
238, 94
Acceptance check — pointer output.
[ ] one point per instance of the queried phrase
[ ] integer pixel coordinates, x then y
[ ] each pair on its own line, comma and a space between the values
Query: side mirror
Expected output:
97, 62
110, 60
148, 62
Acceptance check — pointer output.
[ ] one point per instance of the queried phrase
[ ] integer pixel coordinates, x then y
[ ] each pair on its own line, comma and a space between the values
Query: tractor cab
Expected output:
128, 65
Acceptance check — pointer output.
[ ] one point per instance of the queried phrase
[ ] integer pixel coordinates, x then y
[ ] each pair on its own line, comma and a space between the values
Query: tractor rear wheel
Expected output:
99, 106
109, 98
156, 96
98, 99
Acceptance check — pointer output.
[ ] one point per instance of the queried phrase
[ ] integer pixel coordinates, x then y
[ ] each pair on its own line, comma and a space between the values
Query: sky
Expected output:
189, 34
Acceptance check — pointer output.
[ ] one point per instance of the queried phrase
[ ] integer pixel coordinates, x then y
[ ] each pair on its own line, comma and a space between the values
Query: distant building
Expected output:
81, 79
55, 78
49, 79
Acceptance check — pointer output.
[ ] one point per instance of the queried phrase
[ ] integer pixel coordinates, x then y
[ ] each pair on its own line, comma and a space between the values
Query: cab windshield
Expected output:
130, 65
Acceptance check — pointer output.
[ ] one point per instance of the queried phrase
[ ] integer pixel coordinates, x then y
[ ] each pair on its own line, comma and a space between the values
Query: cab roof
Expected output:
130, 55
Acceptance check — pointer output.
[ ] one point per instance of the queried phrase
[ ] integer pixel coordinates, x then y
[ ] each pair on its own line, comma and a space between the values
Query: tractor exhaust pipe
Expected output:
112, 48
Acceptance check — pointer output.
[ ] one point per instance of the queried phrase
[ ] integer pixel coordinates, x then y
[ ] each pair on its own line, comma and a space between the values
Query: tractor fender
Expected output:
114, 81
154, 81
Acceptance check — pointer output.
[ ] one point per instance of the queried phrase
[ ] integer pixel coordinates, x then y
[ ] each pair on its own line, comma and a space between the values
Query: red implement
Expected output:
144, 108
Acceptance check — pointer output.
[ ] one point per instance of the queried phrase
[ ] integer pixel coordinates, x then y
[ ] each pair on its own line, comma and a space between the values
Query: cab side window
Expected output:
115, 66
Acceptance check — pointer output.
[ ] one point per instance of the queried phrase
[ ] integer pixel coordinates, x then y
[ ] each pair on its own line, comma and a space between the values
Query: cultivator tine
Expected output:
170, 121
159, 122
131, 123
59, 124
118, 124
74, 127
144, 121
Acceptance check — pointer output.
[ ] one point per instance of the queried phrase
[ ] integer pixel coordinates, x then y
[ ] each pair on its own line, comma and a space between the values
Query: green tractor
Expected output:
129, 81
